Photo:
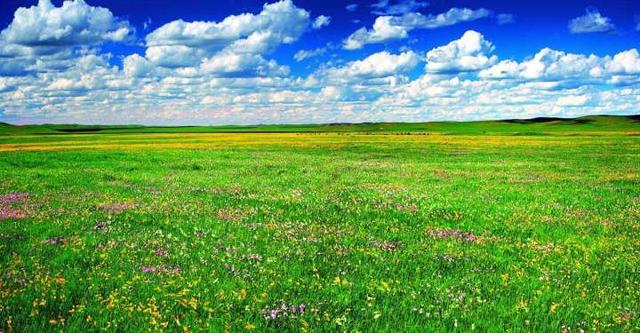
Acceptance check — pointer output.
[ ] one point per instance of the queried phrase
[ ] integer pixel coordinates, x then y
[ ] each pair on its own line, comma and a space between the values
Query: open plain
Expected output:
489, 226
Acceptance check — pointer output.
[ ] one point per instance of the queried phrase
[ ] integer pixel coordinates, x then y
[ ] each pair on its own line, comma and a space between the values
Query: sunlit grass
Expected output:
321, 232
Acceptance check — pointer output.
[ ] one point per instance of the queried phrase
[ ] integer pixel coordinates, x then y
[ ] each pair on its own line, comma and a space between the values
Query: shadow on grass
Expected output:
540, 120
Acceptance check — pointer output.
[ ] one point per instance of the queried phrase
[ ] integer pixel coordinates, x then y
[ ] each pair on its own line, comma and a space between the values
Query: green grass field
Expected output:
514, 226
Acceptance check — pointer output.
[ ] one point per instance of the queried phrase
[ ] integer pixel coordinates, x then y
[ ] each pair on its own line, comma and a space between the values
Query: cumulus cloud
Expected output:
624, 63
45, 32
238, 40
44, 27
548, 64
282, 19
137, 66
371, 69
573, 100
387, 28
591, 21
231, 64
220, 72
472, 52
321, 21
569, 69
383, 30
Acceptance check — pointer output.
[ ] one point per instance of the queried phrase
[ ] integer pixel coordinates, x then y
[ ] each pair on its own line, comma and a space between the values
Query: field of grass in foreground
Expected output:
502, 226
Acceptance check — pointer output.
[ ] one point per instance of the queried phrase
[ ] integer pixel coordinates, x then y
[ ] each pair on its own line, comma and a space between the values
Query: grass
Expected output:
489, 226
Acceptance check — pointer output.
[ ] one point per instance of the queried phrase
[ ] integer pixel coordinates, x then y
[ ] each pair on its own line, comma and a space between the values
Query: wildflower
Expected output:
160, 270
117, 208
161, 252
407, 208
10, 214
385, 245
7, 212
453, 233
284, 311
254, 257
13, 198
55, 241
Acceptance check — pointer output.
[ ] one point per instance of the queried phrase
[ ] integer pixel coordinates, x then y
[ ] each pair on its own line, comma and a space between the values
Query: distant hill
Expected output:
534, 126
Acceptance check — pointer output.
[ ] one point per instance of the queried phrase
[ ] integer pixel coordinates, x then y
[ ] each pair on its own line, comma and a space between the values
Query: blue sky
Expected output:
245, 62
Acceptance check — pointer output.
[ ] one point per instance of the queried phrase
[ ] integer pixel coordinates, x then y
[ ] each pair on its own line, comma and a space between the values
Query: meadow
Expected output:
519, 226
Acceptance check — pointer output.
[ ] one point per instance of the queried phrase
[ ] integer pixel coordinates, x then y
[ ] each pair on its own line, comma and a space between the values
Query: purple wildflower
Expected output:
161, 252
453, 233
284, 311
6, 201
117, 208
55, 241
13, 198
149, 269
160, 270
7, 213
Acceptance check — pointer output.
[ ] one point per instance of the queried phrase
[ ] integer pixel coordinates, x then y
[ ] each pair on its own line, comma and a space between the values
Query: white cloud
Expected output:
230, 64
570, 69
383, 7
282, 19
547, 65
321, 21
174, 55
469, 53
187, 44
383, 30
218, 73
378, 65
450, 17
40, 36
45, 27
137, 66
625, 63
573, 100
332, 93
351, 7
591, 21
14, 66
306, 54
503, 19
387, 28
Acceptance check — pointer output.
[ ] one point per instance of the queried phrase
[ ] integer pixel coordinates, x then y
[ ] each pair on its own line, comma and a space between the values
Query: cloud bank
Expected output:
53, 68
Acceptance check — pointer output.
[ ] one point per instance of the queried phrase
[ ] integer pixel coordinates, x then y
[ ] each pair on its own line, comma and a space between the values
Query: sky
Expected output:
188, 62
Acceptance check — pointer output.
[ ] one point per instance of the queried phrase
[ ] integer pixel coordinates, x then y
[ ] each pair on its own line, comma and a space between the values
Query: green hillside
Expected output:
528, 126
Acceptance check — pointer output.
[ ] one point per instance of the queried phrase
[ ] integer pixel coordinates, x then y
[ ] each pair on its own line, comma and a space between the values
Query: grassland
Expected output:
491, 226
